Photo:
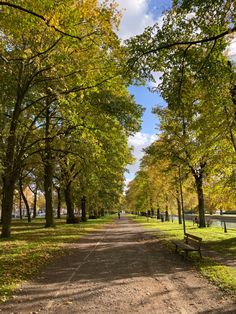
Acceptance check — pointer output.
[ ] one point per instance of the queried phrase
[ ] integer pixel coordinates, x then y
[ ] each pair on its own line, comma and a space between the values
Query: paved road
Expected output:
121, 269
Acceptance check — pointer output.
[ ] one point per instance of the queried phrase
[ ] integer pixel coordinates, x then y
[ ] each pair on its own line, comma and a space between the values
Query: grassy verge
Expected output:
32, 246
214, 238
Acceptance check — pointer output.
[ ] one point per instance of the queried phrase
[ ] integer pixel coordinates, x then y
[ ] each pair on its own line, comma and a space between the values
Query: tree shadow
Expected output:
102, 262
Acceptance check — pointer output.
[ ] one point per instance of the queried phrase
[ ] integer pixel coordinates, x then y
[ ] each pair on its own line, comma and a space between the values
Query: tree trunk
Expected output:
48, 174
179, 207
102, 212
158, 213
151, 207
83, 208
69, 205
48, 194
20, 205
10, 163
9, 178
7, 205
35, 203
167, 218
25, 201
200, 195
152, 212
58, 203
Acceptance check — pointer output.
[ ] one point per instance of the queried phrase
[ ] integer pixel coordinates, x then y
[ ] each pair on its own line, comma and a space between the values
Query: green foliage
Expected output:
64, 99
197, 127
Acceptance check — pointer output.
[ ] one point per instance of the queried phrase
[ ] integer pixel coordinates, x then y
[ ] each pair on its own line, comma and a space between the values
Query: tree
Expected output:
186, 25
196, 83
47, 70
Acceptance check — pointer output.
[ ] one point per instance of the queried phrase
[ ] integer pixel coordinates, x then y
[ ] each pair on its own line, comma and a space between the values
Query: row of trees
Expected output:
65, 112
197, 140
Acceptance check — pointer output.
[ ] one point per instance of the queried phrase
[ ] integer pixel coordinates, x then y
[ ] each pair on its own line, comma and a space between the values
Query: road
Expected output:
120, 269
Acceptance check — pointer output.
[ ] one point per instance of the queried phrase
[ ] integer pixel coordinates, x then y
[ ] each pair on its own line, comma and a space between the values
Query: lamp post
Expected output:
181, 199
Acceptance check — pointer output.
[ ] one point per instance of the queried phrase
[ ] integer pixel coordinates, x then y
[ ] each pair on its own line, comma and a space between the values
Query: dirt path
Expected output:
121, 269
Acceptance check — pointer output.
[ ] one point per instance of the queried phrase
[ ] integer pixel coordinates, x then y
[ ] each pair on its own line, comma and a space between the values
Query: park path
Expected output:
119, 269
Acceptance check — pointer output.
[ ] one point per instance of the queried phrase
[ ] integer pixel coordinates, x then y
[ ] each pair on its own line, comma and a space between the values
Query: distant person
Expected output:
119, 214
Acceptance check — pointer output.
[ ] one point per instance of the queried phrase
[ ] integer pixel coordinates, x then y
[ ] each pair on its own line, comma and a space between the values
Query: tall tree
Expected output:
50, 66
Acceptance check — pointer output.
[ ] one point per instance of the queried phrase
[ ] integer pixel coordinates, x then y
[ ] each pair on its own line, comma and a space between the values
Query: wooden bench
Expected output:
191, 243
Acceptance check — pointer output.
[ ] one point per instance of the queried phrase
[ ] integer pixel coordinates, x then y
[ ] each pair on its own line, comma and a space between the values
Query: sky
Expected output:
137, 14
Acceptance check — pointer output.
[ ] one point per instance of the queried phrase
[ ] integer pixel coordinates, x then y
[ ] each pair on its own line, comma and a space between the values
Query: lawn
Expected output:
213, 238
32, 246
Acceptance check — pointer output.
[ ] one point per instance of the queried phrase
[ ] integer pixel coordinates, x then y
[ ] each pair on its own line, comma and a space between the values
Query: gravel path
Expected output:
121, 269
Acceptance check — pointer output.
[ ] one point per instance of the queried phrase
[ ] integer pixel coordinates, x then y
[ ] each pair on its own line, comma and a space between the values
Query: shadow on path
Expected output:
116, 270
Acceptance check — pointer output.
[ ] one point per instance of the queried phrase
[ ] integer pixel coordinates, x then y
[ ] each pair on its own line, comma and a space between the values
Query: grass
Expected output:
32, 246
214, 238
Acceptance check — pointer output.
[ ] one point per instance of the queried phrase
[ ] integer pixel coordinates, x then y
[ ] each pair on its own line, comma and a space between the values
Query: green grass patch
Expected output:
32, 246
222, 276
214, 238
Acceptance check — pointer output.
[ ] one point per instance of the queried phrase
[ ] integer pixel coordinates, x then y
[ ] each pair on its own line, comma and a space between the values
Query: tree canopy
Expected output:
65, 107
197, 126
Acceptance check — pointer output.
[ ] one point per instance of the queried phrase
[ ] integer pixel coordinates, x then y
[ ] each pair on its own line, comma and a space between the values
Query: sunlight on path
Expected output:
122, 269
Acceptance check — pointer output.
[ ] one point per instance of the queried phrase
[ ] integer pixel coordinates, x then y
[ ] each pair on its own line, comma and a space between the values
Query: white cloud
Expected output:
135, 17
157, 77
160, 20
139, 141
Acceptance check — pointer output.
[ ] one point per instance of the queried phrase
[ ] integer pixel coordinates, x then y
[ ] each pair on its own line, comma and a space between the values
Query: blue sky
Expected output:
137, 15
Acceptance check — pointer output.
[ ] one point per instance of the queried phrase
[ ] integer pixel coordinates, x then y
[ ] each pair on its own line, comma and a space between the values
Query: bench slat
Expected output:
190, 243
193, 237
185, 246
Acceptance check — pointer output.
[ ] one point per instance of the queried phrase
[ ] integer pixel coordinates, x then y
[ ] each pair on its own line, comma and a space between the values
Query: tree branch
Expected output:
184, 43
39, 16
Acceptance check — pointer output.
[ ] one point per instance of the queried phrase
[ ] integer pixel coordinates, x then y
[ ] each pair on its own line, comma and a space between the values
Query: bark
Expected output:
58, 203
20, 205
152, 211
7, 205
102, 212
200, 195
167, 217
25, 200
11, 164
83, 208
9, 178
69, 204
151, 206
35, 203
48, 193
158, 213
48, 174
